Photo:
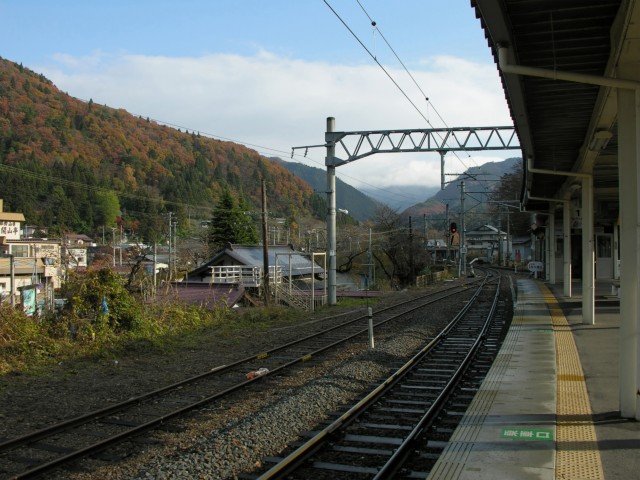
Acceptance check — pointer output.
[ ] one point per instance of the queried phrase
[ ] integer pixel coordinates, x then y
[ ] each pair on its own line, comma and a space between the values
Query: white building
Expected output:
10, 223
490, 242
32, 261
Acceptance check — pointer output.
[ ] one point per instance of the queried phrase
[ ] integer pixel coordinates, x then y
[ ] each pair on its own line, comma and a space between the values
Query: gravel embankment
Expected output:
233, 436
71, 388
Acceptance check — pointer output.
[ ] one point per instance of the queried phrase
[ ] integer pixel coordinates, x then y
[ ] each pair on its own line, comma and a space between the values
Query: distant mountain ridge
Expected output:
399, 197
360, 206
477, 179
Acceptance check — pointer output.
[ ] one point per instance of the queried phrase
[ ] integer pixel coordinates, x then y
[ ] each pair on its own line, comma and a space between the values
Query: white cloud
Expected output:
280, 102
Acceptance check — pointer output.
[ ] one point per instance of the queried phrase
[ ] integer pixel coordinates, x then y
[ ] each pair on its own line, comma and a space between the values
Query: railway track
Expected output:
399, 429
37, 452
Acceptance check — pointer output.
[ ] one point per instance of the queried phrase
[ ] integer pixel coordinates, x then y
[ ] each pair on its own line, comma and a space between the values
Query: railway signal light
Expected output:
454, 236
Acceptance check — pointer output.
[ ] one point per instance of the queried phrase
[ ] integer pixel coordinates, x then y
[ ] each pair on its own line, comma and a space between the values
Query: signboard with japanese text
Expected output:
535, 266
10, 230
28, 295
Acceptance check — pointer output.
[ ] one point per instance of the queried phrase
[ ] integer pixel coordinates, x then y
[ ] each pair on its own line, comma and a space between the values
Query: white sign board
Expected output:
10, 230
535, 266
463, 249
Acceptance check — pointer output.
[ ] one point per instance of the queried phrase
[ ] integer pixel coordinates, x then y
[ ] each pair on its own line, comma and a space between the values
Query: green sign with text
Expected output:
519, 433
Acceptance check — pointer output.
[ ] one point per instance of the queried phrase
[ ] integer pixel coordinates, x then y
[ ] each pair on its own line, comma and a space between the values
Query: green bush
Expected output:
82, 328
85, 293
25, 339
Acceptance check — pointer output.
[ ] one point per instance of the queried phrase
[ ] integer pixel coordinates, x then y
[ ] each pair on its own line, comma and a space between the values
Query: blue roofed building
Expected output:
296, 279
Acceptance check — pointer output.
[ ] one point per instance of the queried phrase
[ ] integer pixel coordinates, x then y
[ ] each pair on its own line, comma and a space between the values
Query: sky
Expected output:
267, 73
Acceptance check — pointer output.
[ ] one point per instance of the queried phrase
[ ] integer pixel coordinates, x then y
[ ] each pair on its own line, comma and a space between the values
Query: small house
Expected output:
244, 264
488, 242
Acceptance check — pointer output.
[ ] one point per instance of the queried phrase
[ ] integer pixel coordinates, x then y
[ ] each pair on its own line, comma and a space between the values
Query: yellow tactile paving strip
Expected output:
577, 455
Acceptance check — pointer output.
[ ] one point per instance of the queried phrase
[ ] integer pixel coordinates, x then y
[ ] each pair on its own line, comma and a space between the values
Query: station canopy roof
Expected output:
558, 120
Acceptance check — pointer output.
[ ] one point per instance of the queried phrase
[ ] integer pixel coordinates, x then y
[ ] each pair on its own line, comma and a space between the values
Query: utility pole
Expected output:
370, 274
508, 235
121, 244
442, 181
265, 246
411, 263
463, 245
113, 244
175, 249
500, 245
155, 267
12, 279
170, 226
424, 239
12, 276
331, 213
448, 234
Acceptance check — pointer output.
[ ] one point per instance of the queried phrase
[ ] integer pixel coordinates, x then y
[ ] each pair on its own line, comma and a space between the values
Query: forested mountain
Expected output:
360, 206
70, 164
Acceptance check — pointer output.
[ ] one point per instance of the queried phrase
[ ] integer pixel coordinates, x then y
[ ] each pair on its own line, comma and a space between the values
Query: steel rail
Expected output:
106, 442
398, 456
302, 453
79, 420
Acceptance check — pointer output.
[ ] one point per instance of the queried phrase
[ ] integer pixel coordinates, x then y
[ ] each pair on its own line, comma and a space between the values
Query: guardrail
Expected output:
243, 275
294, 296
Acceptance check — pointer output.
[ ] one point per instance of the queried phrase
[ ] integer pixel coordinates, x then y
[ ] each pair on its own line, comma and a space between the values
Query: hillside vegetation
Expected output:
69, 164
360, 206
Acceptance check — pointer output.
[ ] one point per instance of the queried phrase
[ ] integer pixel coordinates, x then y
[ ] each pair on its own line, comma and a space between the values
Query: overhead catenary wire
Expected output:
426, 97
379, 64
387, 72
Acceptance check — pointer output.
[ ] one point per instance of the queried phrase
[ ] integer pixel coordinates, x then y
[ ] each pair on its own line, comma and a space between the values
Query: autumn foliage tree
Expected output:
54, 146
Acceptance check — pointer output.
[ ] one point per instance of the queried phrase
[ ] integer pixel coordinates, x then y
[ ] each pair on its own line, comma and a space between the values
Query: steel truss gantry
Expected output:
360, 144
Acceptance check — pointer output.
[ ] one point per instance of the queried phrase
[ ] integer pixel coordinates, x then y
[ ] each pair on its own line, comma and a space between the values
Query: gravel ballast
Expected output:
234, 434
300, 404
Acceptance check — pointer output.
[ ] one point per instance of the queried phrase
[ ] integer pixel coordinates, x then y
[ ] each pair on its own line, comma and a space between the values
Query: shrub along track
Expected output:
68, 440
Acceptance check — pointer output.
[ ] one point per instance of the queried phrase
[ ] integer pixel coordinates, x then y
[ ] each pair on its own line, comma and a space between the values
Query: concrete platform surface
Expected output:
548, 407
618, 439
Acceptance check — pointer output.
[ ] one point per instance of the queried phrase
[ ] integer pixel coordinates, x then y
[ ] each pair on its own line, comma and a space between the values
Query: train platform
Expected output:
548, 409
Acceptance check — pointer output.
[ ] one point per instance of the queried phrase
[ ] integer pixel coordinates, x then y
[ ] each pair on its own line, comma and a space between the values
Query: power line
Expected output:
94, 188
385, 70
375, 25
271, 149
376, 60
262, 147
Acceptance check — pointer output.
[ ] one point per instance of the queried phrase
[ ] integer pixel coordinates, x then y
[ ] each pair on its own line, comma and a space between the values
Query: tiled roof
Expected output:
251, 256
204, 295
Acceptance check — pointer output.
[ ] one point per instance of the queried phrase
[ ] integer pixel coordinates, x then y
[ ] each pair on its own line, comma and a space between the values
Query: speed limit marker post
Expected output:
535, 267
